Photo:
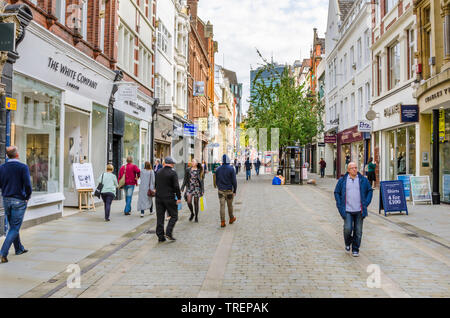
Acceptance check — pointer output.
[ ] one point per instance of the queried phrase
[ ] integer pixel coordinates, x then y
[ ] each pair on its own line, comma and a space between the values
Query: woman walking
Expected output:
110, 184
371, 172
193, 182
147, 183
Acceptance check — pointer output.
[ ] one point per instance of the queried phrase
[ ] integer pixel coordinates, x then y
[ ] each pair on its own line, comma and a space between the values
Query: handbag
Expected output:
122, 180
202, 204
151, 193
98, 191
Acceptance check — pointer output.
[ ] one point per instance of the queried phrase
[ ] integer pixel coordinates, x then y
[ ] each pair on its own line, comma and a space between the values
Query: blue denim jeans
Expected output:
129, 189
14, 211
248, 174
257, 171
353, 226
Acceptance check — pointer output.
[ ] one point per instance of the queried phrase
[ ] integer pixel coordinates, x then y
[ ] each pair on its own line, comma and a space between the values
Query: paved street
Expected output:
287, 242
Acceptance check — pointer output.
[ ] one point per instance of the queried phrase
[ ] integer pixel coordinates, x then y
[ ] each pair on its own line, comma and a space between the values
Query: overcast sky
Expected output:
283, 28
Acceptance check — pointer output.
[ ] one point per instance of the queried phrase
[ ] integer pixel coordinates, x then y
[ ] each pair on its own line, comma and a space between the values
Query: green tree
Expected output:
281, 104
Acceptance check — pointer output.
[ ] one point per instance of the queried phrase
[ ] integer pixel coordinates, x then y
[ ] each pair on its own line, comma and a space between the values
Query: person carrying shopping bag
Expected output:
147, 183
108, 192
193, 182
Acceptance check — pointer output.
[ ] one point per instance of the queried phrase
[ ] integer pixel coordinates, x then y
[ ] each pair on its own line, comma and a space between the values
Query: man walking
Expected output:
353, 195
257, 165
323, 165
15, 184
236, 166
167, 186
132, 174
248, 169
227, 185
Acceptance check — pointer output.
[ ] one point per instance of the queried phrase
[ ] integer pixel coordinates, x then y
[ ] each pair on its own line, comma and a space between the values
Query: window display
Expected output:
131, 140
99, 132
35, 130
444, 160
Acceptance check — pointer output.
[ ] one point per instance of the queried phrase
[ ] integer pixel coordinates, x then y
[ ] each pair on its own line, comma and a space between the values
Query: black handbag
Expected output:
98, 191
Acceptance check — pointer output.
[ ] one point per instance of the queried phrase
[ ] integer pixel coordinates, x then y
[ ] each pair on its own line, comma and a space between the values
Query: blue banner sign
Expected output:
190, 130
406, 178
392, 197
446, 187
409, 113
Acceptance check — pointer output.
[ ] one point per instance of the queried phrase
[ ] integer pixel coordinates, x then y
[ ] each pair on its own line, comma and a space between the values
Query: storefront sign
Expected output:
321, 144
409, 114
7, 37
83, 175
139, 109
350, 135
190, 130
389, 111
44, 57
364, 126
392, 197
199, 89
446, 187
10, 103
420, 189
406, 179
75, 78
330, 139
443, 92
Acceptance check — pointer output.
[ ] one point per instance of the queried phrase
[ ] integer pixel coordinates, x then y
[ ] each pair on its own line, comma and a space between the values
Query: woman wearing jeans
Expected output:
110, 184
132, 174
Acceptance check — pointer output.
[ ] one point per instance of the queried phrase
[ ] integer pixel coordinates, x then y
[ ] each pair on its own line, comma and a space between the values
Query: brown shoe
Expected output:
222, 224
232, 220
4, 260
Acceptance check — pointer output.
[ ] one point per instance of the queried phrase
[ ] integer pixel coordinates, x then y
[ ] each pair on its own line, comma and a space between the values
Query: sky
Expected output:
282, 28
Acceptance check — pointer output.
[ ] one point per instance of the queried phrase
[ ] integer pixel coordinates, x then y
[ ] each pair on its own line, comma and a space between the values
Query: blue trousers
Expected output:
128, 196
14, 211
353, 226
248, 174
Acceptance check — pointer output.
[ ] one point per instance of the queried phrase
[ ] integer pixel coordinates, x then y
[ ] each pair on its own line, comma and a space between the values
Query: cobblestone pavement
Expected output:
287, 242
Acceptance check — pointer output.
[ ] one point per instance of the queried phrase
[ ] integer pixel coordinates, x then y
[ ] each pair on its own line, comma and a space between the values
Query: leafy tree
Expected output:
281, 104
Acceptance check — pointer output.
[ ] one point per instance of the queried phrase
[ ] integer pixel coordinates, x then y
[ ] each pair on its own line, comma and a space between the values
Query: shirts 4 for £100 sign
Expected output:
392, 197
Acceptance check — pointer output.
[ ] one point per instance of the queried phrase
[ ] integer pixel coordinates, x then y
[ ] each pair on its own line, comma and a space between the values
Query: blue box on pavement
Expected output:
392, 197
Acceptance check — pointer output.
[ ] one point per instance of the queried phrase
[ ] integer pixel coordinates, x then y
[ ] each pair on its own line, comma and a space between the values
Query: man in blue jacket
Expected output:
227, 185
16, 188
353, 195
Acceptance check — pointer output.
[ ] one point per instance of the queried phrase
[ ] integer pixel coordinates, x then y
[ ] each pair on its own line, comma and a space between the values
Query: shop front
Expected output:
434, 105
180, 145
163, 136
62, 97
352, 146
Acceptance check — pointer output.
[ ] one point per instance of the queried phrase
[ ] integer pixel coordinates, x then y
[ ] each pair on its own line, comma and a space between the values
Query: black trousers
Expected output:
107, 198
161, 207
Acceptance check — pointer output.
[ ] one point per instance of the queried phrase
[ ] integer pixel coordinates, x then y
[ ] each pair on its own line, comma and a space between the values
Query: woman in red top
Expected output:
131, 176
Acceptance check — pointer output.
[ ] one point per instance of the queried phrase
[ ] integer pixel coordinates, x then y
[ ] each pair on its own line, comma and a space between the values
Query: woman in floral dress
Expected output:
193, 182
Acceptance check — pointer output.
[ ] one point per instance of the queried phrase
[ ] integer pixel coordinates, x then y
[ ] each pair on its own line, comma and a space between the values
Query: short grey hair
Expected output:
11, 152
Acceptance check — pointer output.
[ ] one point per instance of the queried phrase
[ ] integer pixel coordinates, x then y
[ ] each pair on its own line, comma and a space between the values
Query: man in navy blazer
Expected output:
353, 195
15, 184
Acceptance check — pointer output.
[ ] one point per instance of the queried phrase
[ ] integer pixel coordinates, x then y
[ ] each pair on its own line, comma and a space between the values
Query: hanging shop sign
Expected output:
139, 108
83, 175
190, 130
10, 103
409, 113
406, 179
7, 37
392, 197
199, 89
364, 126
203, 124
420, 189
330, 139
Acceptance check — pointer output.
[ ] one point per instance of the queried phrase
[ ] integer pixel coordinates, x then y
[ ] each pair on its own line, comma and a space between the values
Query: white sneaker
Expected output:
347, 248
355, 254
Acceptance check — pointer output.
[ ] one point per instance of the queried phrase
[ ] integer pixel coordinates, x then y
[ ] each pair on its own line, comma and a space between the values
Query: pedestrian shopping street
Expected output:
287, 242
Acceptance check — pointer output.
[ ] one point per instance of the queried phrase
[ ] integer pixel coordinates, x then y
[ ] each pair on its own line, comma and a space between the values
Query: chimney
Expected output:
209, 30
193, 4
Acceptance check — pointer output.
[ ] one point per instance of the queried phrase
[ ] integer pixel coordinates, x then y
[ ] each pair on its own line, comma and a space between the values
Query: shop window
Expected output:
35, 130
412, 149
394, 65
99, 137
76, 142
131, 139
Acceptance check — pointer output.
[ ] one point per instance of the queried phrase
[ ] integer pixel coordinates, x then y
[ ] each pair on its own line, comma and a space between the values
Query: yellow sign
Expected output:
203, 124
242, 125
441, 126
11, 103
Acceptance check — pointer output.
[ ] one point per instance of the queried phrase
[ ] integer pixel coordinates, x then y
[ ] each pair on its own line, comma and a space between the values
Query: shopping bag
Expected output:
202, 204
179, 204
276, 181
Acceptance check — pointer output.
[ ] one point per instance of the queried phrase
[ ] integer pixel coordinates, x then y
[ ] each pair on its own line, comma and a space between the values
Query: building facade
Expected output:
432, 91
